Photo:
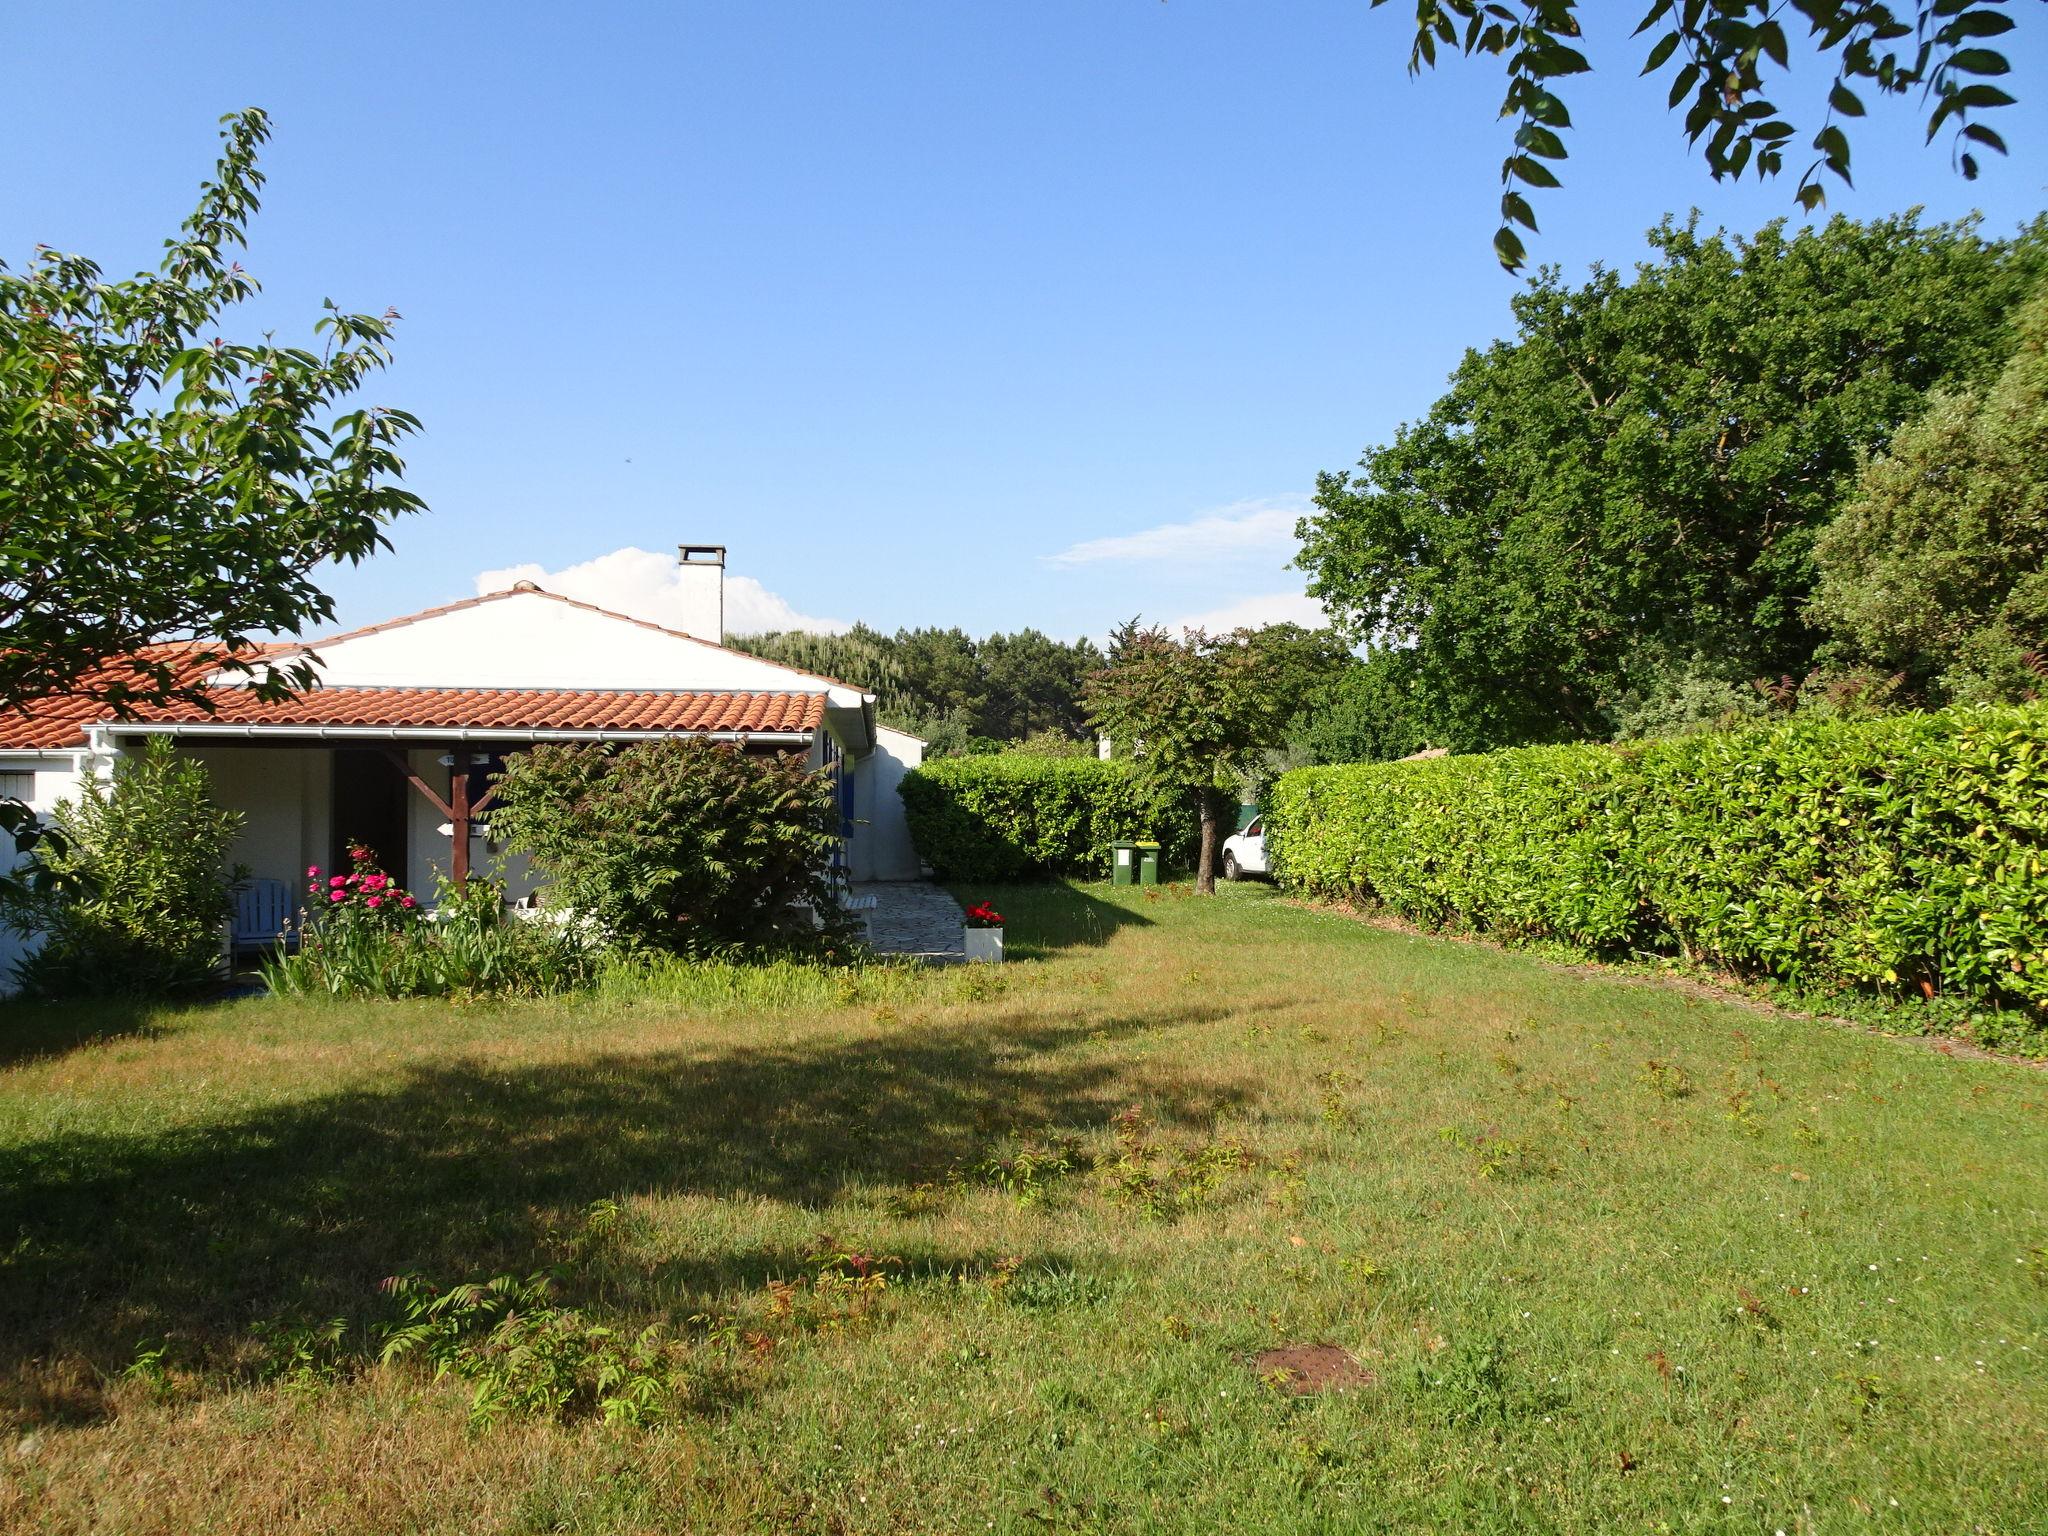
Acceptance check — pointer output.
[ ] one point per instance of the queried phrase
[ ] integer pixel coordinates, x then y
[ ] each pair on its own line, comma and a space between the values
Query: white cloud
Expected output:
1256, 611
1244, 528
646, 585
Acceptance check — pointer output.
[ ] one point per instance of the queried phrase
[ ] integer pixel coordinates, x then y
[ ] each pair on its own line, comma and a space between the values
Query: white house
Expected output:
371, 754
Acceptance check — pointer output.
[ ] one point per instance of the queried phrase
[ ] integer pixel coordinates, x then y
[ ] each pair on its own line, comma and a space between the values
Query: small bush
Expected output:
681, 846
1905, 855
1024, 814
140, 888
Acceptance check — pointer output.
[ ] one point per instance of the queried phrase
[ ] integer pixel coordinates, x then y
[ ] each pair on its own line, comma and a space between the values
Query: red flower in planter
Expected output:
982, 915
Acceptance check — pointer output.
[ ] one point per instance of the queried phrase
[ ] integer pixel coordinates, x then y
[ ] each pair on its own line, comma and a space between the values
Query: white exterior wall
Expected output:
57, 776
283, 795
532, 640
880, 848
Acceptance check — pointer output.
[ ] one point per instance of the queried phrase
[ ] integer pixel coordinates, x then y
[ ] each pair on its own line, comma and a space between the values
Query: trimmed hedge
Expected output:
1907, 854
1017, 814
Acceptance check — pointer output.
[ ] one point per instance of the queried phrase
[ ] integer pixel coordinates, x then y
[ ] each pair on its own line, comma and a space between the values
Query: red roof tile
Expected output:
62, 722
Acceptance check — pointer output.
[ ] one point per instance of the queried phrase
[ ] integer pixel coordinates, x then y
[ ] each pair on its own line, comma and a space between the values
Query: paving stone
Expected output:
915, 919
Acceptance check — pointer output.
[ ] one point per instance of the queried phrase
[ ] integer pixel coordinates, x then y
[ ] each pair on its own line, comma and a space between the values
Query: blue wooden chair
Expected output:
262, 910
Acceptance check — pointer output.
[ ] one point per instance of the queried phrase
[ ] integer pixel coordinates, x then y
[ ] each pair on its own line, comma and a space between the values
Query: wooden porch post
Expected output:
458, 814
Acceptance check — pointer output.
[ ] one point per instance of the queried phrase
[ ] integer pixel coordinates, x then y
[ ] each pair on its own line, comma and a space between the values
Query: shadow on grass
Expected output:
1045, 918
464, 1170
30, 1031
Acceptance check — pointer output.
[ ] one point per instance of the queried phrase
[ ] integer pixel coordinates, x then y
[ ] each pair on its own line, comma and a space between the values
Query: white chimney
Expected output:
702, 581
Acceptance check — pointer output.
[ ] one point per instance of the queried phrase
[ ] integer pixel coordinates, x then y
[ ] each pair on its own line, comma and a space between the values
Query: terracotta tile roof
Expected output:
60, 722
516, 709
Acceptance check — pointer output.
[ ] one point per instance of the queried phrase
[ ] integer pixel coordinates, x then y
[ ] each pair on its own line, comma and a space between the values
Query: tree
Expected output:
944, 685
1365, 713
1195, 711
159, 483
1937, 568
1718, 56
1033, 684
1638, 473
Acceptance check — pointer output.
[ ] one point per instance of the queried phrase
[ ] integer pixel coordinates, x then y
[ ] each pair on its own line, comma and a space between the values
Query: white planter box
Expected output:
984, 946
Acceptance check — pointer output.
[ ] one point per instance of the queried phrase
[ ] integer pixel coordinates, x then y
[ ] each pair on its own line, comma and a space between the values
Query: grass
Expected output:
991, 1250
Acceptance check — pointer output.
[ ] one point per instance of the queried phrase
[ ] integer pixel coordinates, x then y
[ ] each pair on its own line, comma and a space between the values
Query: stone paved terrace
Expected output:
914, 918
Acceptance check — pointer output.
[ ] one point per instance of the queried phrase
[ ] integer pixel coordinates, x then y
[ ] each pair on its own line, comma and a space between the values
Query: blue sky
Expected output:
999, 313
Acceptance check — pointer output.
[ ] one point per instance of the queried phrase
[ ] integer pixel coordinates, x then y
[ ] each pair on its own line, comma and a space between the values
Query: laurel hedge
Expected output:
1906, 854
1016, 815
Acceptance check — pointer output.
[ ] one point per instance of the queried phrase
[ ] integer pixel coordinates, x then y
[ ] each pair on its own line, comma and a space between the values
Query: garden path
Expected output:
913, 918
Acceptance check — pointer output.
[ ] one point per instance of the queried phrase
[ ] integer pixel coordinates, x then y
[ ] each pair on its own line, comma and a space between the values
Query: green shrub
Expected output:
681, 846
1021, 814
1902, 855
141, 885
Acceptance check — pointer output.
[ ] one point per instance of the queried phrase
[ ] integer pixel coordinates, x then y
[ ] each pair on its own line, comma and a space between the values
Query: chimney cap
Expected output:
701, 554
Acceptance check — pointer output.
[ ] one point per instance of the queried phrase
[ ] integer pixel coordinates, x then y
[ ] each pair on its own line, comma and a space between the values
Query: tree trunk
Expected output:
1205, 866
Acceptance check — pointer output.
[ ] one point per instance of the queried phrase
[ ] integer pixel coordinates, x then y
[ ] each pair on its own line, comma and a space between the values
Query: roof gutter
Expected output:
425, 734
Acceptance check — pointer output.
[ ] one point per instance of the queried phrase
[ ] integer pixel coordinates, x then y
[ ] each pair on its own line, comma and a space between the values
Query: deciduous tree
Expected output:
159, 482
1937, 569
1196, 710
1719, 57
1638, 473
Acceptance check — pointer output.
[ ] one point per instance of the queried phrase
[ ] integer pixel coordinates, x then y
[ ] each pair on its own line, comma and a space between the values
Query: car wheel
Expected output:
1232, 870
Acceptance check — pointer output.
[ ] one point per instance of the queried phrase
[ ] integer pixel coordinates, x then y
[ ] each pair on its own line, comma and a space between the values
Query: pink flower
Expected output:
337, 895
312, 871
338, 881
374, 901
407, 902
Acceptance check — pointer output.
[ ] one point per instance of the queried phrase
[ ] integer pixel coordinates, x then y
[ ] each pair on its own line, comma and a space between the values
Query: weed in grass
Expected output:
1466, 1385
1337, 1110
1028, 1173
151, 1368
1752, 1310
1497, 1156
927, 1197
1667, 1079
1050, 1287
1289, 1184
522, 1353
300, 1355
1166, 1186
1741, 1113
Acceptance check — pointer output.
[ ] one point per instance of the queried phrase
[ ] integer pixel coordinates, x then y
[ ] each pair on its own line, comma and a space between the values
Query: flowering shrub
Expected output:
365, 935
365, 895
982, 915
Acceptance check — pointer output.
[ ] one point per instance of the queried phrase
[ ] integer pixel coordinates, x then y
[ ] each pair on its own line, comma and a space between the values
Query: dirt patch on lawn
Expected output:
1304, 1369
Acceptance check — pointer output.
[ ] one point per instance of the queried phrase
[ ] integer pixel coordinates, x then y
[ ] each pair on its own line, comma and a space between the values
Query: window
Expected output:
18, 784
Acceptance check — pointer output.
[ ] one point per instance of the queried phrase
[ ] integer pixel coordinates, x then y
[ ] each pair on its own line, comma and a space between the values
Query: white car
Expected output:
1245, 852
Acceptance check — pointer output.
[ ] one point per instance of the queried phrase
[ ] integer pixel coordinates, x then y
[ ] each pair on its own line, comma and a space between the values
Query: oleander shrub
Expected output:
1019, 815
139, 889
1905, 855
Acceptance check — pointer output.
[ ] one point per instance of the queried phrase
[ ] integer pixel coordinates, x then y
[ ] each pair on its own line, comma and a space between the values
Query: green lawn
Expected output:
991, 1250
